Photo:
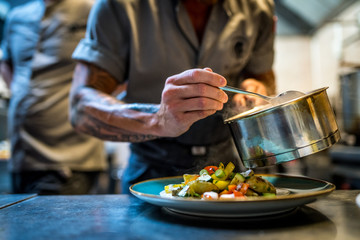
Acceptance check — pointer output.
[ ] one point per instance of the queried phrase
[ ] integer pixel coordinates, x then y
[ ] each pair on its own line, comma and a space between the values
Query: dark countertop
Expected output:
125, 217
10, 199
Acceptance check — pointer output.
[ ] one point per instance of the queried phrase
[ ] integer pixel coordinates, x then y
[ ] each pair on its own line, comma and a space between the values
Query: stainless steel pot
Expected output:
285, 132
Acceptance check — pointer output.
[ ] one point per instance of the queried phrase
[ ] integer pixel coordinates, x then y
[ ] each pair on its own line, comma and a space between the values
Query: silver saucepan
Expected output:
291, 130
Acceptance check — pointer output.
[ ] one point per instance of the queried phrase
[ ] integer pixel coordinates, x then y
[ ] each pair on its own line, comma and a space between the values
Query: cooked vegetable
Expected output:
190, 177
250, 192
237, 179
205, 178
221, 182
213, 176
260, 185
201, 187
229, 168
248, 173
220, 173
211, 169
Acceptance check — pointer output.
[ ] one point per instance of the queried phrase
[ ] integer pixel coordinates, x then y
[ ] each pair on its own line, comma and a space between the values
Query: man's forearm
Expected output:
95, 111
105, 117
186, 98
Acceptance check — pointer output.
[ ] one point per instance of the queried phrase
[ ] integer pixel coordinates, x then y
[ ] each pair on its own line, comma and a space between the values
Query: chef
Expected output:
170, 57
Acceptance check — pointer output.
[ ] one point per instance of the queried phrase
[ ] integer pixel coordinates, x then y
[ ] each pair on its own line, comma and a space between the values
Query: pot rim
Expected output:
268, 107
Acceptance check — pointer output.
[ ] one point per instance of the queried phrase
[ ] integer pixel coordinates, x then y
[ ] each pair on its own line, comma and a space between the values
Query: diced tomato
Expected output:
238, 194
244, 188
231, 188
224, 192
211, 169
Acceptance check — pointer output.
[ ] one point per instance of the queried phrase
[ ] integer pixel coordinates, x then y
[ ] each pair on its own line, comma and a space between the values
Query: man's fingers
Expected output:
198, 76
195, 104
202, 90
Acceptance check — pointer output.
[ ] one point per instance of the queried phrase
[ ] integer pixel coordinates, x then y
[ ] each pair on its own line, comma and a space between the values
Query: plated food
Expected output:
291, 192
220, 182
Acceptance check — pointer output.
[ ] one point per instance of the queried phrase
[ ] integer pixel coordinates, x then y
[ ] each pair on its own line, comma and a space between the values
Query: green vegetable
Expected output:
231, 175
229, 168
250, 192
216, 178
260, 185
197, 188
220, 173
269, 194
221, 184
221, 166
219, 179
238, 178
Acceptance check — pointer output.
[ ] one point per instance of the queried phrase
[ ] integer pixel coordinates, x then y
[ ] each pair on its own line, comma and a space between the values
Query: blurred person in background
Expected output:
47, 155
172, 57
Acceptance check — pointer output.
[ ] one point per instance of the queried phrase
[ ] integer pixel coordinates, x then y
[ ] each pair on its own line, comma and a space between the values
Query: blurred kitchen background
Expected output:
317, 45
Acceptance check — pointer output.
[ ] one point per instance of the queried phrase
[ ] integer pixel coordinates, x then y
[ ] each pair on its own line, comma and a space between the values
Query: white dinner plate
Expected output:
294, 191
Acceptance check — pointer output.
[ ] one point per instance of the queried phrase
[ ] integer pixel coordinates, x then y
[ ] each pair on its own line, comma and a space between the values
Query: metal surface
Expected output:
350, 95
237, 90
125, 217
292, 130
279, 99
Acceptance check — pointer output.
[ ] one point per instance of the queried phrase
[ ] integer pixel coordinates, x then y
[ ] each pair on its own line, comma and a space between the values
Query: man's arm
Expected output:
187, 97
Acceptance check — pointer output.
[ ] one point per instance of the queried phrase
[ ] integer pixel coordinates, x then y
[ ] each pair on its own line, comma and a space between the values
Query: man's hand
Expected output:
263, 83
251, 85
188, 97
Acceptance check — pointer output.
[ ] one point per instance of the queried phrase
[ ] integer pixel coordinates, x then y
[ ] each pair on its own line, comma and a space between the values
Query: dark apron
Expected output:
175, 156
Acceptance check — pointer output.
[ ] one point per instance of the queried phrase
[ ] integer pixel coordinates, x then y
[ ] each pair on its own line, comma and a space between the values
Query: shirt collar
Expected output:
227, 7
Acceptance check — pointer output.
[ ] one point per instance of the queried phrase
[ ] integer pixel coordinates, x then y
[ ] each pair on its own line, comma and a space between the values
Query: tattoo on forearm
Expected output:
104, 131
100, 125
100, 79
98, 113
146, 108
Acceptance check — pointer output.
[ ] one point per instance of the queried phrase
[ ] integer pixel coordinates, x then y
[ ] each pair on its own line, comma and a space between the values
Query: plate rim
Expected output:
291, 196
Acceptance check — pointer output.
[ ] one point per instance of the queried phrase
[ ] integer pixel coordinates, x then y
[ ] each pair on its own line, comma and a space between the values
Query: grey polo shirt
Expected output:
143, 42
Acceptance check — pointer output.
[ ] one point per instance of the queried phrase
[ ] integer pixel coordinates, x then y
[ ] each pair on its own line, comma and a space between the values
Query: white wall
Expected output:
306, 63
325, 59
292, 64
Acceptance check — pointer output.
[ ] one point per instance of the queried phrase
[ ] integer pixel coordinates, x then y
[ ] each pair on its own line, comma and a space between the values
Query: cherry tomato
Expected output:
211, 169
